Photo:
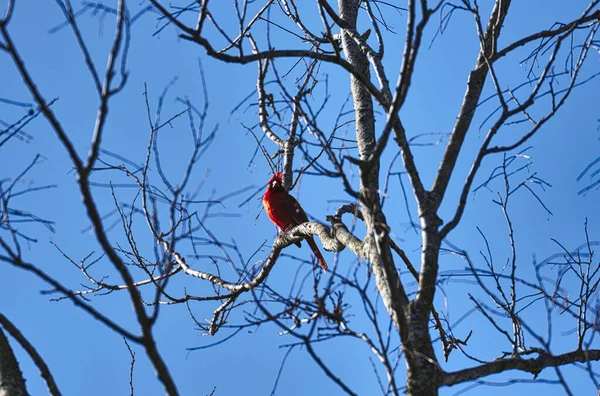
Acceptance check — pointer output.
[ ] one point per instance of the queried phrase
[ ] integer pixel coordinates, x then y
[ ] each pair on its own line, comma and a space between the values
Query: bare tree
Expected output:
165, 226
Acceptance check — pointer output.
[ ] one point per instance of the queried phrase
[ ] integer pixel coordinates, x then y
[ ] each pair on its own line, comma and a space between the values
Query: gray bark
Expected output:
11, 378
411, 321
376, 248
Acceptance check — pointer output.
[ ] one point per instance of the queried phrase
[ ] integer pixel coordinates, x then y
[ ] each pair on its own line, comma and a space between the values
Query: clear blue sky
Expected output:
87, 358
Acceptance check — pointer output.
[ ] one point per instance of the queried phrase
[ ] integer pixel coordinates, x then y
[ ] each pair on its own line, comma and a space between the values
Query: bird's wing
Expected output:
298, 214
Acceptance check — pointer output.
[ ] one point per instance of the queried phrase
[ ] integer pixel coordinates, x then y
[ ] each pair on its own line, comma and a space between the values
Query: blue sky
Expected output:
88, 358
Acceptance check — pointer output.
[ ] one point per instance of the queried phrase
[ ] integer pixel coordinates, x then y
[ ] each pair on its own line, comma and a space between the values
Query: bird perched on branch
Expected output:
285, 212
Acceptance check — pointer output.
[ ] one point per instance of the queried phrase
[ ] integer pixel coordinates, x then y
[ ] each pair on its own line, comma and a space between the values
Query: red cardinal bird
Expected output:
285, 212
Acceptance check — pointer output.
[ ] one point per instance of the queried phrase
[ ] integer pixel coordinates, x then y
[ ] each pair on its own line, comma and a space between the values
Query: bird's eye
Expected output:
275, 183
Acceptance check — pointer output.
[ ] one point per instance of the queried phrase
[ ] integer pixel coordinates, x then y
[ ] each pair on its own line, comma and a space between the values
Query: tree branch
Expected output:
533, 366
33, 353
475, 85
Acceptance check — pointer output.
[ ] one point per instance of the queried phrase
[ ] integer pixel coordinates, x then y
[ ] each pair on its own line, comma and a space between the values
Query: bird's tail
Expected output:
317, 253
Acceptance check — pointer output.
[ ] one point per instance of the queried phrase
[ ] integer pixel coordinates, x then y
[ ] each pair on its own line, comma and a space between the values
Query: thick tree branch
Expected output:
475, 85
533, 366
12, 382
507, 113
32, 352
376, 242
